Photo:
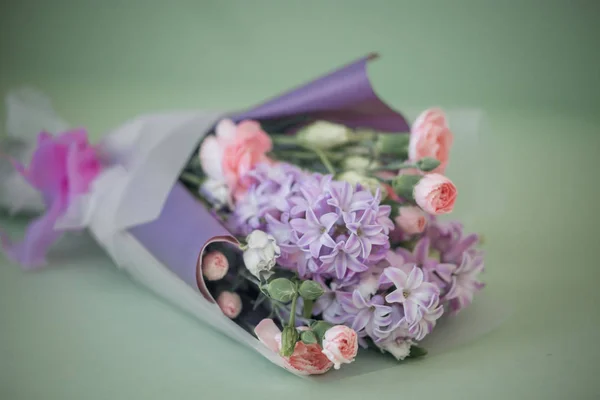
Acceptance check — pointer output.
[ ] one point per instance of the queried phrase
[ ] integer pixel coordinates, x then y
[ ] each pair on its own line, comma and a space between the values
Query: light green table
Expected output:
83, 330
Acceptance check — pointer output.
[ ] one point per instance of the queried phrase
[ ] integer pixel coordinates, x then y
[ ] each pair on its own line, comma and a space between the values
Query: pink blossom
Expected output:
411, 220
435, 194
61, 169
431, 137
340, 345
214, 266
230, 303
233, 152
306, 359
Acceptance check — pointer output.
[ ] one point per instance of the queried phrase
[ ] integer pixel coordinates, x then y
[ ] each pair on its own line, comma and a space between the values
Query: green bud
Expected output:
308, 337
310, 290
281, 289
395, 144
289, 337
427, 164
416, 352
319, 328
404, 185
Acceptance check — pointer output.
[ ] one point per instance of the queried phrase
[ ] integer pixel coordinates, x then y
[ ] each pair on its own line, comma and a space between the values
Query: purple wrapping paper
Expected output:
184, 228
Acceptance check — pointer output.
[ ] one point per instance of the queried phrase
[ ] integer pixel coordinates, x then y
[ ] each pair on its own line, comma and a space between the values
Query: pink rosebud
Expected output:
214, 266
435, 194
340, 345
431, 137
230, 303
411, 220
306, 359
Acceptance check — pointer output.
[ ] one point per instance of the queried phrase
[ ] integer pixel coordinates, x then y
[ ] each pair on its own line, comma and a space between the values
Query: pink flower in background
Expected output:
306, 360
435, 194
214, 266
233, 152
431, 137
340, 345
411, 220
62, 168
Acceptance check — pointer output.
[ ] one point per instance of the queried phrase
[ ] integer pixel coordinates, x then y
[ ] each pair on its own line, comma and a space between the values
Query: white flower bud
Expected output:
324, 135
358, 164
261, 254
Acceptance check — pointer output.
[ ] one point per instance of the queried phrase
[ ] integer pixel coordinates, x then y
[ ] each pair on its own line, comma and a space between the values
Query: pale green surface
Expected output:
82, 330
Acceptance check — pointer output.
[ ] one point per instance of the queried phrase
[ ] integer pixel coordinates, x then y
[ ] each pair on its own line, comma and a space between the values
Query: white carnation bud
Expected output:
261, 253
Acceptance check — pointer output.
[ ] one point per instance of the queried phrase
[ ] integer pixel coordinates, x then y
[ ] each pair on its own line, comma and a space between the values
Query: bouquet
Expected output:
306, 227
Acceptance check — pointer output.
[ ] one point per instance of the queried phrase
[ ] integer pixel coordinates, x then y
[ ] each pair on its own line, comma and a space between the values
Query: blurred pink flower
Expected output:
340, 345
62, 168
232, 152
410, 220
435, 194
431, 137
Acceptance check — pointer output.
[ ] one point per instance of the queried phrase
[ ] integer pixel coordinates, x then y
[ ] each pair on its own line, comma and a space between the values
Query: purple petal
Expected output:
326, 240
421, 250
358, 300
300, 225
328, 220
415, 278
39, 236
361, 320
395, 297
315, 248
397, 276
411, 312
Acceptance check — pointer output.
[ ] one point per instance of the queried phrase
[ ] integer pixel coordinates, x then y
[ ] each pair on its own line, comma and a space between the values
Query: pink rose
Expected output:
61, 169
435, 194
411, 220
340, 345
431, 137
233, 152
306, 359
214, 266
230, 303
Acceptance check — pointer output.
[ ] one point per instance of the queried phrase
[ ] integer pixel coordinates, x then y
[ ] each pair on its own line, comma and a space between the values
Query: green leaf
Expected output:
404, 185
310, 290
308, 337
289, 337
282, 289
417, 352
319, 328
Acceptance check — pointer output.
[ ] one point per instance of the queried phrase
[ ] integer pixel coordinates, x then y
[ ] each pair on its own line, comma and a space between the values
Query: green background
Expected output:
82, 330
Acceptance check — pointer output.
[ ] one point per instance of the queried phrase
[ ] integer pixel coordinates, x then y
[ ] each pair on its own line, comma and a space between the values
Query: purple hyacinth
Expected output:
314, 231
367, 316
344, 258
465, 283
411, 291
426, 323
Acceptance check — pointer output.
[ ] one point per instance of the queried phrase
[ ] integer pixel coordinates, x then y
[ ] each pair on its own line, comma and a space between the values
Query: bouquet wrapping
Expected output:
298, 260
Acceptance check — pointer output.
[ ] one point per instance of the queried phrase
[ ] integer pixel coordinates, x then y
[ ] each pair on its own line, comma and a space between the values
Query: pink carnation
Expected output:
431, 137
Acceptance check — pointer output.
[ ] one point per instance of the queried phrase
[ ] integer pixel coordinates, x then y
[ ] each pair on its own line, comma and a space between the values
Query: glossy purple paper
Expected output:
344, 96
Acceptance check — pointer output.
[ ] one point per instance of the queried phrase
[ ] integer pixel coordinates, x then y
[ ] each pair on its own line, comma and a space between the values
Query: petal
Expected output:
358, 300
361, 320
326, 240
39, 237
211, 158
315, 248
415, 278
395, 297
397, 276
421, 250
226, 130
411, 312
328, 220
266, 330
300, 225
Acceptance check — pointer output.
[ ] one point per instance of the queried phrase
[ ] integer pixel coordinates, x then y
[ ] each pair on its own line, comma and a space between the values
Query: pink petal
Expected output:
266, 331
39, 236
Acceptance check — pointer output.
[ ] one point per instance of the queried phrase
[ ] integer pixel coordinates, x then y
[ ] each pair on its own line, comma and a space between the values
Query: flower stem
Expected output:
325, 161
191, 178
293, 310
308, 307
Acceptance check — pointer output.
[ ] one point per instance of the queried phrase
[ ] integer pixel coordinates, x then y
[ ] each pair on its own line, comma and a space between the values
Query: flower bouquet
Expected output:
306, 227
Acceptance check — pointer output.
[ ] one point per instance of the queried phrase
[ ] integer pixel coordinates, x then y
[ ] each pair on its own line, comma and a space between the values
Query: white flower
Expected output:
325, 135
215, 191
358, 163
261, 254
397, 344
